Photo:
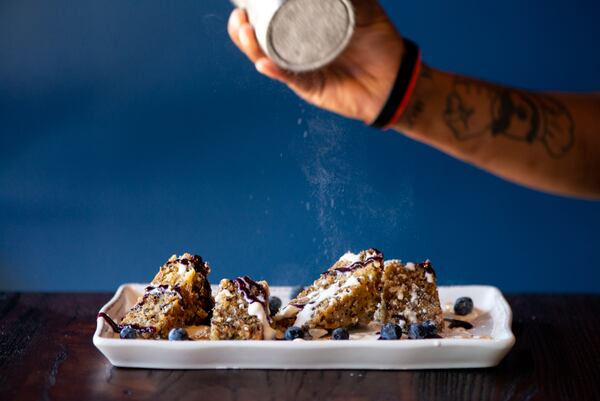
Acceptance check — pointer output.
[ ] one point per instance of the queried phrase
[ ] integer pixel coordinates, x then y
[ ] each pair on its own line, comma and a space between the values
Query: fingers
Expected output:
237, 17
242, 34
249, 44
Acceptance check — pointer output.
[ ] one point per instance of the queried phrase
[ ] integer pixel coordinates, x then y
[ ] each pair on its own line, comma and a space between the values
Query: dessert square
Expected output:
179, 295
241, 311
157, 311
188, 274
344, 295
409, 294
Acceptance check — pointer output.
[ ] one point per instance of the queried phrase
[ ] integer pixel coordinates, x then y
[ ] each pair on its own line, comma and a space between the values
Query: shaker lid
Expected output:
307, 34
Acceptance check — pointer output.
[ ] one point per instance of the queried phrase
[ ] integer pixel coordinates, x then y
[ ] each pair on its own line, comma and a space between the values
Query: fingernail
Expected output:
258, 65
235, 19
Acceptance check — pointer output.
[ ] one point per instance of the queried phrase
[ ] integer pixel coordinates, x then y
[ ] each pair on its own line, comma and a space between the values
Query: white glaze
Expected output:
315, 298
256, 309
182, 270
350, 257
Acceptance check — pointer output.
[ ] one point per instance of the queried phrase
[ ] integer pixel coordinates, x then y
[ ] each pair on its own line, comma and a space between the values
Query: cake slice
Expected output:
179, 295
344, 295
188, 274
159, 310
409, 294
241, 311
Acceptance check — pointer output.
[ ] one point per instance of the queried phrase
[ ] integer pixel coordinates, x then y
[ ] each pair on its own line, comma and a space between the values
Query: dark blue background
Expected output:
131, 130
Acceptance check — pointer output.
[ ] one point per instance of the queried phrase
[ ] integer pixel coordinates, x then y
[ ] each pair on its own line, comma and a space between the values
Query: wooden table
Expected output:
46, 353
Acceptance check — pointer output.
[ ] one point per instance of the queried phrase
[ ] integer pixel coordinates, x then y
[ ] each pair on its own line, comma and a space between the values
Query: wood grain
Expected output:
46, 353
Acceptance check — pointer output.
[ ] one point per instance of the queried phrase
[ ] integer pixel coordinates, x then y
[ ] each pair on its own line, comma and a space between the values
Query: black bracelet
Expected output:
406, 75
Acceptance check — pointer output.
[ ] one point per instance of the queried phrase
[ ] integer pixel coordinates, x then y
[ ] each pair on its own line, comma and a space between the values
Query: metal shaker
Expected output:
301, 35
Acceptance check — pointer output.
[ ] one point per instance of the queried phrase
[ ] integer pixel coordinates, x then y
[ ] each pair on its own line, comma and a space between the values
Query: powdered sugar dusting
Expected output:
344, 200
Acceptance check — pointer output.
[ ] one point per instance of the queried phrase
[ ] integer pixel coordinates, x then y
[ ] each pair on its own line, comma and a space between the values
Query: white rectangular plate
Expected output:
353, 354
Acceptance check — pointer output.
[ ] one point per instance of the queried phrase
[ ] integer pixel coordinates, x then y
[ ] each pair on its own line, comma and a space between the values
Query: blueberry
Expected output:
128, 333
178, 334
274, 305
390, 331
291, 333
417, 331
431, 329
296, 291
463, 306
341, 333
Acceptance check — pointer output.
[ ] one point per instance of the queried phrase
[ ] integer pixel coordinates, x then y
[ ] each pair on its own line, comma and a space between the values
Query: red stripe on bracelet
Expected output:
407, 95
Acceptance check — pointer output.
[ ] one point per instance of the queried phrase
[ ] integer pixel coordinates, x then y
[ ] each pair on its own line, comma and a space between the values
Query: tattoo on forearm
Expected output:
474, 109
417, 106
414, 109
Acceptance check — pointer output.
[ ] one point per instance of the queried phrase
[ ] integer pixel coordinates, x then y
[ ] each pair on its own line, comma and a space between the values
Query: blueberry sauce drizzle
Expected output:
141, 329
248, 286
427, 267
196, 262
118, 327
114, 326
358, 264
458, 323
162, 288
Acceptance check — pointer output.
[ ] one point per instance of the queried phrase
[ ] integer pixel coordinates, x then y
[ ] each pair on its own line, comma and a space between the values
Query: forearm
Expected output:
547, 142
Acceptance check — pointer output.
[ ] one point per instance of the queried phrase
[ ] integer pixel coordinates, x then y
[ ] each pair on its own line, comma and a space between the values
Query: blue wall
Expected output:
132, 130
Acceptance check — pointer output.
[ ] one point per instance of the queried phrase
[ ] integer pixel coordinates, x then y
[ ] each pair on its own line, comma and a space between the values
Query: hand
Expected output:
357, 83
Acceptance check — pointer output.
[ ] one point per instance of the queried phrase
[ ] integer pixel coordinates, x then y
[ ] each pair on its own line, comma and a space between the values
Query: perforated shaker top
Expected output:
307, 34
